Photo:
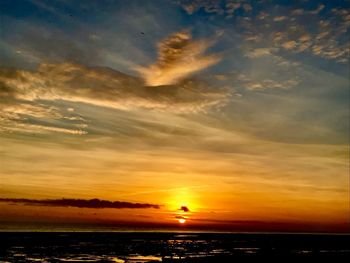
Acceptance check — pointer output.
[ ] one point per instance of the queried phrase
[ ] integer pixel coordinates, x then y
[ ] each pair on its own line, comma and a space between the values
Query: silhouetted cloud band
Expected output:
80, 203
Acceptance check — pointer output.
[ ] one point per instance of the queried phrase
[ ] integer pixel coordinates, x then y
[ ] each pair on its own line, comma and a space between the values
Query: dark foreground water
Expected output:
171, 247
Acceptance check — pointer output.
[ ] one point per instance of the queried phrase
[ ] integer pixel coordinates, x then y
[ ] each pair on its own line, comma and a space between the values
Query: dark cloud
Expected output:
184, 208
80, 203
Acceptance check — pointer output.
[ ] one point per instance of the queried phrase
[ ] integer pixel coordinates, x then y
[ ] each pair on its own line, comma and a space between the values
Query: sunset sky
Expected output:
230, 114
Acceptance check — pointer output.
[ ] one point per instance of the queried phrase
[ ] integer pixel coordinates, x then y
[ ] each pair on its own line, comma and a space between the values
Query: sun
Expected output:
182, 220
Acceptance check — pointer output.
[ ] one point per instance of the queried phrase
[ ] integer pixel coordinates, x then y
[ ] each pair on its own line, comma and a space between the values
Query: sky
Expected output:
230, 114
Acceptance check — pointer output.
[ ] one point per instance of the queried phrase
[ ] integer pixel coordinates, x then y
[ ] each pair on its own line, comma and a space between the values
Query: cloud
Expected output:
178, 57
253, 38
309, 32
298, 11
232, 6
279, 18
80, 203
184, 208
189, 8
25, 95
289, 44
105, 87
258, 52
271, 84
326, 25
247, 7
16, 116
210, 7
12, 126
317, 10
215, 7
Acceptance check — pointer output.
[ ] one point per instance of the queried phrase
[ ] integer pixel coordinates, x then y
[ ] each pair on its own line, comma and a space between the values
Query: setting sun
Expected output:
182, 220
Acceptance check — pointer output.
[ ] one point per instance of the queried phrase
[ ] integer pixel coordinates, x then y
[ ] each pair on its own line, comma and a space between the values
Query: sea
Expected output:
116, 245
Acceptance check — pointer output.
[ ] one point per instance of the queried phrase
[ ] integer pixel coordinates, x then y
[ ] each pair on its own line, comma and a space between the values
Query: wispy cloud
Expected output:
17, 115
15, 126
23, 93
215, 7
105, 87
258, 52
179, 56
211, 7
80, 203
279, 18
271, 84
289, 44
317, 10
324, 36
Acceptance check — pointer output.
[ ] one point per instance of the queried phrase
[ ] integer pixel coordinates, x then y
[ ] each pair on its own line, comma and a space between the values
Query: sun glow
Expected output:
184, 196
182, 220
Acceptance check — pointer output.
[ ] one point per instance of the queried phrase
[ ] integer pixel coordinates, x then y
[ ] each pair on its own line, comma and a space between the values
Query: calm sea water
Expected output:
61, 245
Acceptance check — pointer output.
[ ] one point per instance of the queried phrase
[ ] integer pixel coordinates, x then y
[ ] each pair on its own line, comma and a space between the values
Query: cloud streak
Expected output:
79, 203
23, 93
179, 56
104, 87
271, 84
259, 52
15, 116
